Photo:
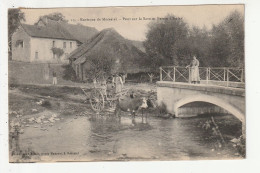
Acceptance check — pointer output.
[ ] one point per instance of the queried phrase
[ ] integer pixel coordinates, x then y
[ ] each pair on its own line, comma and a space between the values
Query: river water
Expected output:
96, 138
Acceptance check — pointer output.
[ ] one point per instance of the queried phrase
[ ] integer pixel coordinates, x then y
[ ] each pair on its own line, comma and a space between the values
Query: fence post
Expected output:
227, 77
174, 73
224, 74
242, 75
160, 73
189, 75
207, 75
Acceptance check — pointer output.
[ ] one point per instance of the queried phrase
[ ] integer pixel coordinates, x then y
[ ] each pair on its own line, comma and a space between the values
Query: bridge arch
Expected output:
210, 99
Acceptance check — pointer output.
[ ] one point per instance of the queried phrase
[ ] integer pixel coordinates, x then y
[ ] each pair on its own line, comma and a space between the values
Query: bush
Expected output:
163, 108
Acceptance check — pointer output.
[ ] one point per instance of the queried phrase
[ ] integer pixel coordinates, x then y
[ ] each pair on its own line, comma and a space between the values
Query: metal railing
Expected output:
225, 76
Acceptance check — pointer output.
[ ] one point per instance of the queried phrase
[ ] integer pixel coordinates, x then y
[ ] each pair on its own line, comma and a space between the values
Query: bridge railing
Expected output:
226, 76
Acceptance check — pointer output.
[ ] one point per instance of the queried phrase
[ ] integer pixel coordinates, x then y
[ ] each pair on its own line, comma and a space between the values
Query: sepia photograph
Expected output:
143, 83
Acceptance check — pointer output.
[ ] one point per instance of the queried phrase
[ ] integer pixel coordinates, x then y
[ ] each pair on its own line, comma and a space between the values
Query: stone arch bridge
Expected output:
176, 94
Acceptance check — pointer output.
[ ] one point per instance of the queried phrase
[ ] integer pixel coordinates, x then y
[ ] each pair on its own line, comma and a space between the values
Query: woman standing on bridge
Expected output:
194, 71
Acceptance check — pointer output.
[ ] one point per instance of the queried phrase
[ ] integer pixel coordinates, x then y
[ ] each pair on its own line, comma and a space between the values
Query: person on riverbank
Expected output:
194, 71
54, 78
117, 80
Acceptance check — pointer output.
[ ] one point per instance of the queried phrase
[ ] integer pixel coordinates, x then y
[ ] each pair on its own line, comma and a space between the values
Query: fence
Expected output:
226, 76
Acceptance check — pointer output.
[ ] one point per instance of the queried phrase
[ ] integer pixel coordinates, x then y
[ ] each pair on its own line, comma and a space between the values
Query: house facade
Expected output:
49, 43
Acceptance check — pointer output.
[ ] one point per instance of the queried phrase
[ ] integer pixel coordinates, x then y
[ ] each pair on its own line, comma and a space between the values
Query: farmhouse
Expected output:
48, 41
107, 49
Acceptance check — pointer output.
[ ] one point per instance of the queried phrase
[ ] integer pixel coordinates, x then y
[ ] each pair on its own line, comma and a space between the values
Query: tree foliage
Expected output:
57, 51
101, 65
172, 42
227, 47
166, 40
15, 16
54, 16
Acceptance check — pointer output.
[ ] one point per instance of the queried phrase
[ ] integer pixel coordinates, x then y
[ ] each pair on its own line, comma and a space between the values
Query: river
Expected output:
96, 138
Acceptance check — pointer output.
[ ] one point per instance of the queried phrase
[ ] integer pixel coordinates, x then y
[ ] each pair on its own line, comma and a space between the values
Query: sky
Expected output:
131, 22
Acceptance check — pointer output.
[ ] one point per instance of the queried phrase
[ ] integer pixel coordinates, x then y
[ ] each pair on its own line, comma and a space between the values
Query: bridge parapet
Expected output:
224, 76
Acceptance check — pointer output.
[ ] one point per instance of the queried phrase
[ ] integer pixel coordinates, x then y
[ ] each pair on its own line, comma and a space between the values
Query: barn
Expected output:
107, 49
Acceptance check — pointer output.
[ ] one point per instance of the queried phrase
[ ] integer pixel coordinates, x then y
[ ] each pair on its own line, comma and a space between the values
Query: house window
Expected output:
19, 43
53, 55
70, 44
36, 55
64, 44
53, 43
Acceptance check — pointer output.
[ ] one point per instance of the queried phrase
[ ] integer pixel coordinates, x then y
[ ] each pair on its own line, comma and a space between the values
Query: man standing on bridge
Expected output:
194, 71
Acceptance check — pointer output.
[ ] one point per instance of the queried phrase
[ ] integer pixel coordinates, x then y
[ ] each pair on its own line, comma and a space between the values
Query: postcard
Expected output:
150, 83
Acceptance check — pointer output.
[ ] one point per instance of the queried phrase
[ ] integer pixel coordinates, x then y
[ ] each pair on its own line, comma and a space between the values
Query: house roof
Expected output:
47, 28
80, 32
85, 47
50, 31
110, 44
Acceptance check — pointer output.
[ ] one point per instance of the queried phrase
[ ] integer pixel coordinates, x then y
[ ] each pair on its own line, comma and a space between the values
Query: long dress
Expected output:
118, 84
194, 75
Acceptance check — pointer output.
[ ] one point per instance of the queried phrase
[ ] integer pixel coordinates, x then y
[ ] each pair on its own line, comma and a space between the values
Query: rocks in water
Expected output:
13, 113
40, 102
21, 131
41, 117
34, 110
19, 115
31, 119
54, 115
235, 140
38, 120
52, 120
17, 124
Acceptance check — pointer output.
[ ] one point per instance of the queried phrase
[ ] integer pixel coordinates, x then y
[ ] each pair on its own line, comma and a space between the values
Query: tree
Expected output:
227, 47
165, 39
235, 30
102, 65
54, 16
15, 16
58, 52
199, 44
